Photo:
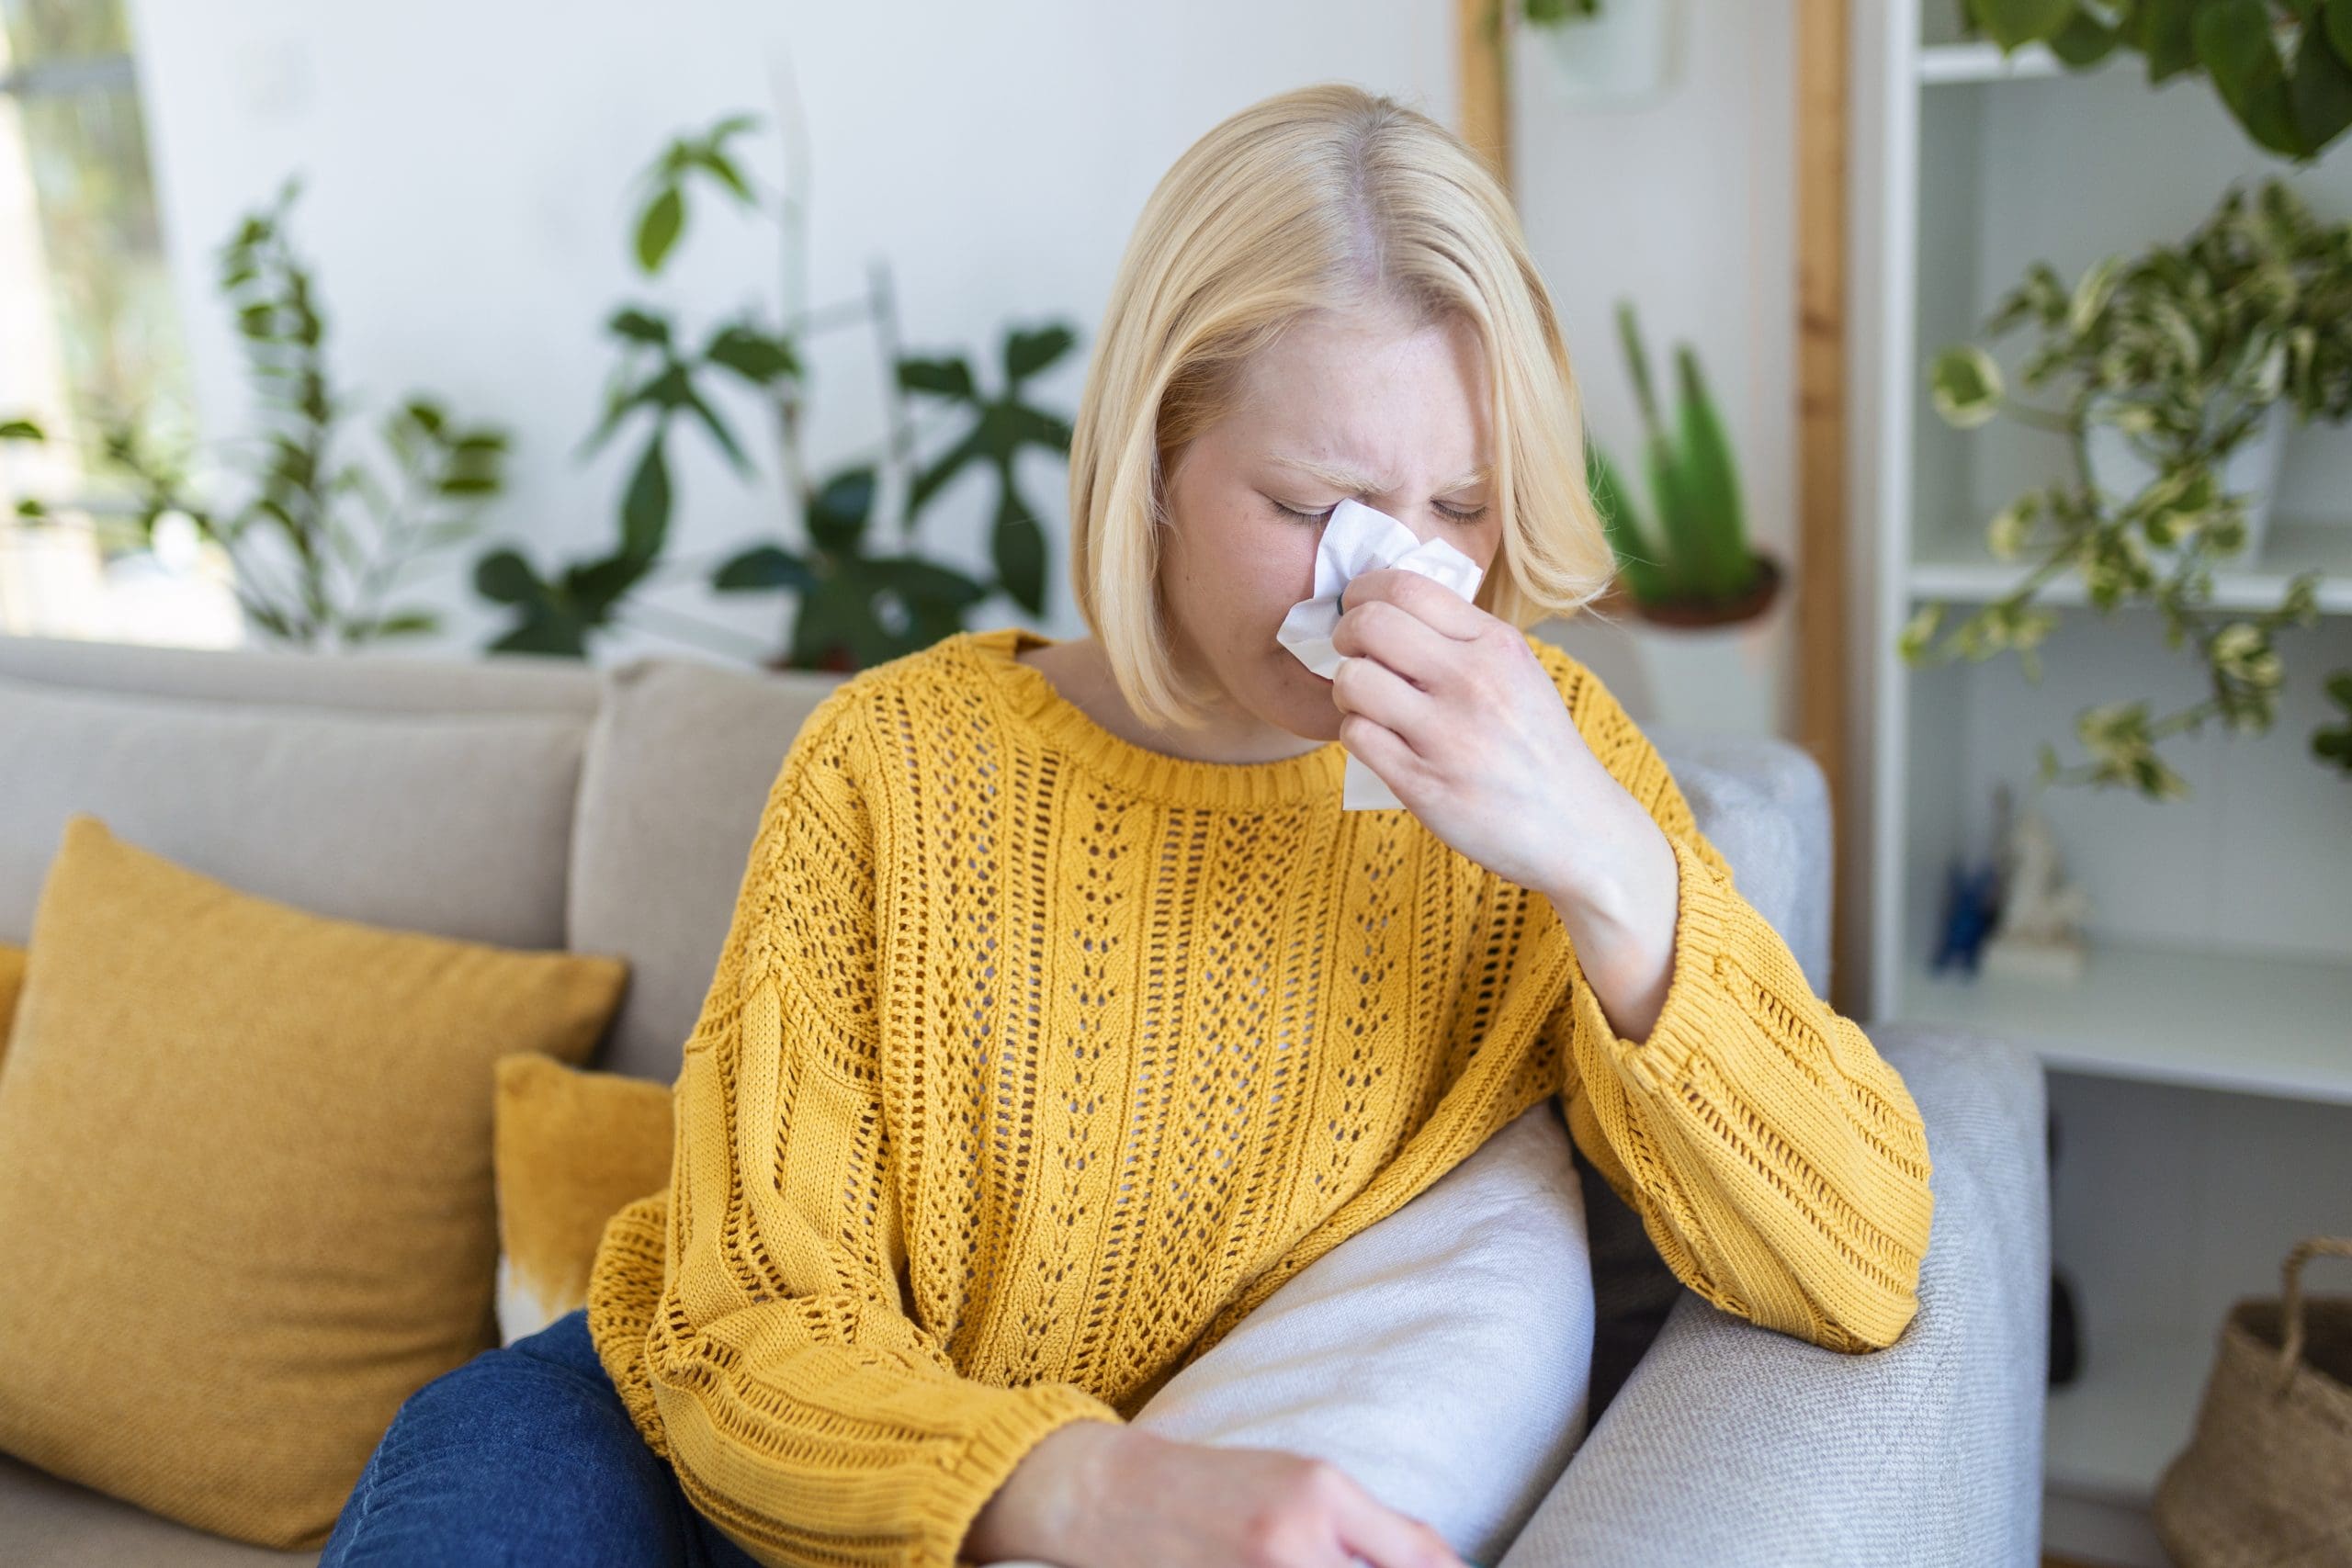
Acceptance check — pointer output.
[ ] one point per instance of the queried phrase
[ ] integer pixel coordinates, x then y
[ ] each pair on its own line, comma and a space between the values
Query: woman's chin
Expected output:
1314, 717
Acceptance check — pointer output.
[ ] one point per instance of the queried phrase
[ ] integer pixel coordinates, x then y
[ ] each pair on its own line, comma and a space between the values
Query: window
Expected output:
89, 338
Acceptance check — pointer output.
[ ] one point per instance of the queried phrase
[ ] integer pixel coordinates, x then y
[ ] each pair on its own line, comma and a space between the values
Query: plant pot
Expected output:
2252, 471
1716, 668
1619, 57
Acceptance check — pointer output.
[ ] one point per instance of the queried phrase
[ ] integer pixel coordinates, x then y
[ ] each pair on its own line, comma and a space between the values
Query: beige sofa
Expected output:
541, 804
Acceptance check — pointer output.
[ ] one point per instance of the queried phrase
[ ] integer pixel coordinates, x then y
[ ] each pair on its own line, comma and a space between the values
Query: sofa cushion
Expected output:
362, 680
679, 766
1440, 1358
247, 1208
12, 980
459, 824
57, 1524
571, 1149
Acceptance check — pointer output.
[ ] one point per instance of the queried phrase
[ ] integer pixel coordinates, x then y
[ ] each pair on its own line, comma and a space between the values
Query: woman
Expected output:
1066, 1013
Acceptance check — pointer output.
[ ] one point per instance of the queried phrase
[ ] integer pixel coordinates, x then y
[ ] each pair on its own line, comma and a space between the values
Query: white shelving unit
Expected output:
2201, 1074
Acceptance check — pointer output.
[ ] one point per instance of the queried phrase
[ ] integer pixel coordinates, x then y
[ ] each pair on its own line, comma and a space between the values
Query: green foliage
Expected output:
319, 541
1699, 552
1001, 428
2182, 350
2283, 67
856, 603
1555, 13
2333, 744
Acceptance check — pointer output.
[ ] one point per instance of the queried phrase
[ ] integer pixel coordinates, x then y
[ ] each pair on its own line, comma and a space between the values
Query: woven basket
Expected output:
2265, 1481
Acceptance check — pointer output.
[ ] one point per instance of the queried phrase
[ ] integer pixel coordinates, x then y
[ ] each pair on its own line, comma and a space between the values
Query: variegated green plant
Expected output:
2184, 350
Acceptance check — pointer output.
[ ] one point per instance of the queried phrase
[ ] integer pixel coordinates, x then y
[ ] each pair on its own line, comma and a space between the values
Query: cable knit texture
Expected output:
1034, 1059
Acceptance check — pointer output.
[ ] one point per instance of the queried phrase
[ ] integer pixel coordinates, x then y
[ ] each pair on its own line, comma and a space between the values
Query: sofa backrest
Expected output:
366, 787
535, 802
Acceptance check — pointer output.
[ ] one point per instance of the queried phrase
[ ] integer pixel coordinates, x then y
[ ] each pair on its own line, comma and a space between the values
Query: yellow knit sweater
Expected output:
1034, 1059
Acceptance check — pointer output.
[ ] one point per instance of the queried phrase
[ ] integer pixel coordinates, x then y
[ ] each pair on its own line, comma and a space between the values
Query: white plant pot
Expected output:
2252, 471
1720, 679
1621, 57
1730, 679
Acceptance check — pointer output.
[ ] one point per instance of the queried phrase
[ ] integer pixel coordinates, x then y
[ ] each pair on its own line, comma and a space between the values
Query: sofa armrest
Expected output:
1731, 1444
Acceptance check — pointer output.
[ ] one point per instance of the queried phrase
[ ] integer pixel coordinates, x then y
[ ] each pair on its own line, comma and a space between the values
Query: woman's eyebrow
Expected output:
1355, 483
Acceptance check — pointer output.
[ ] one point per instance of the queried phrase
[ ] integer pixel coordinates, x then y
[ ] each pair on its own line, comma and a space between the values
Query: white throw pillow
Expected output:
1442, 1358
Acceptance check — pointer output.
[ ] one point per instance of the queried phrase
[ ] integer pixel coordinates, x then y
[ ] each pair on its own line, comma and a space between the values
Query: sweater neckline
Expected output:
1182, 780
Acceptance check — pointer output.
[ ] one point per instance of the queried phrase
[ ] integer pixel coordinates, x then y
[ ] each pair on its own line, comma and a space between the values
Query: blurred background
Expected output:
1966, 380
471, 219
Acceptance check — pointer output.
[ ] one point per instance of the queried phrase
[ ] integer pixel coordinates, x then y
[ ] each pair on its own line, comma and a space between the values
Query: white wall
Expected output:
468, 169
1684, 200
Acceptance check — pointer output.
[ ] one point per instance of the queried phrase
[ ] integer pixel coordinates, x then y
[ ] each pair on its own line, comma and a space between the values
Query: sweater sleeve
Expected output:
1777, 1162
801, 1404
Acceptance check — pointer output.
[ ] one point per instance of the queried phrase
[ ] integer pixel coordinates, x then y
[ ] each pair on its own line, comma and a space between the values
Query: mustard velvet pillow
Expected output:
572, 1148
245, 1201
12, 980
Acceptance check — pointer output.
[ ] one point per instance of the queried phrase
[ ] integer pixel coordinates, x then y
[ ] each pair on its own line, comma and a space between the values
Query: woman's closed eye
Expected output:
1304, 516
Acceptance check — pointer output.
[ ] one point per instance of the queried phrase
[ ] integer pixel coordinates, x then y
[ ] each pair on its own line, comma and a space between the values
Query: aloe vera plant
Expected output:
1698, 553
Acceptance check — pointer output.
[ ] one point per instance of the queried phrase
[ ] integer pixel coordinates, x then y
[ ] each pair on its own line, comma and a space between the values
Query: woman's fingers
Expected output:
1370, 688
1379, 1534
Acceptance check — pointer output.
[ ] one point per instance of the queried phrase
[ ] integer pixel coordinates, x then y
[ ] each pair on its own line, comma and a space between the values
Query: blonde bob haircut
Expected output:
1324, 197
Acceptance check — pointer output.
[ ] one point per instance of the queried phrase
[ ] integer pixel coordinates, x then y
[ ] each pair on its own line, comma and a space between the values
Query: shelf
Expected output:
2108, 1435
2248, 1024
1950, 63
1950, 562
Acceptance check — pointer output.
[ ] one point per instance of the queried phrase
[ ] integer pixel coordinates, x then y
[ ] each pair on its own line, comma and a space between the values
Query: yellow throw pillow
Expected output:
12, 980
572, 1148
245, 1201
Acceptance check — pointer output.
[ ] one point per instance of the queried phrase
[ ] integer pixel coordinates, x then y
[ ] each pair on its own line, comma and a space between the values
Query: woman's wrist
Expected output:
1043, 1508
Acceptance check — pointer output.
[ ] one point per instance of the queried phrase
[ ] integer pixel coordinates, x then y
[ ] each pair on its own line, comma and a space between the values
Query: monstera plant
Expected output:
857, 601
2181, 354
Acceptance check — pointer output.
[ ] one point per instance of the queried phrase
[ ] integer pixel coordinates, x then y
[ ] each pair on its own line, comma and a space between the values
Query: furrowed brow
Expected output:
1352, 482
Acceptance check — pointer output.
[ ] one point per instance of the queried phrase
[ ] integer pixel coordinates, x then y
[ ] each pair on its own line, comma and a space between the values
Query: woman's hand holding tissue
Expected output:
1457, 717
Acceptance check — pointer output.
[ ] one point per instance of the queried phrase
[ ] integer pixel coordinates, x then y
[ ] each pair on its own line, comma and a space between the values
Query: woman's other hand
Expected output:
1092, 1495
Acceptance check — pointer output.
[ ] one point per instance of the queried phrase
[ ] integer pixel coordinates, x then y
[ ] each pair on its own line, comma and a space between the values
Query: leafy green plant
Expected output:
2283, 67
2184, 350
856, 603
1697, 562
319, 542
1554, 13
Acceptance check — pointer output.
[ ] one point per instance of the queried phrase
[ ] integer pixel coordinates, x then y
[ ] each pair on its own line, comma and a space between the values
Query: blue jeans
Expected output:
523, 1457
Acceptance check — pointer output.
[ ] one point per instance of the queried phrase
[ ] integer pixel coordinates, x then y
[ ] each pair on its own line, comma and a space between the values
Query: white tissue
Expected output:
1356, 540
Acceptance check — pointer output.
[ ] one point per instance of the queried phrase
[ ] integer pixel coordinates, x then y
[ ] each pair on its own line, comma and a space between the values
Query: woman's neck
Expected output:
1082, 676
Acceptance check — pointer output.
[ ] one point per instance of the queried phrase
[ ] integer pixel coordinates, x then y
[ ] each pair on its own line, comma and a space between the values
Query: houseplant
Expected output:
321, 539
2183, 351
856, 601
1703, 596
2282, 67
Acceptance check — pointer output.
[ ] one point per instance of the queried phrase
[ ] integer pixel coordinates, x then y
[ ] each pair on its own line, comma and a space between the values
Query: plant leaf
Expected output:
950, 377
659, 227
640, 326
1027, 353
838, 511
645, 511
2233, 39
765, 568
1018, 546
2319, 90
2015, 22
